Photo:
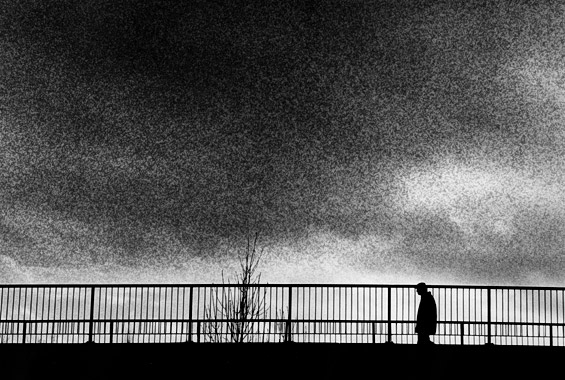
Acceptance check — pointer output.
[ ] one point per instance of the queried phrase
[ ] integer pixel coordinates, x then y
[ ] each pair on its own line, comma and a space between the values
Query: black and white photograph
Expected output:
362, 179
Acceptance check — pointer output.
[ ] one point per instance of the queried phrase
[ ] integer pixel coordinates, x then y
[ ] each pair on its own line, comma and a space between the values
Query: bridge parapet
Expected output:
159, 313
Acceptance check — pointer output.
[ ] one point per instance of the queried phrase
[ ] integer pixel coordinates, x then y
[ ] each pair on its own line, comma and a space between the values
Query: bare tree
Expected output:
233, 308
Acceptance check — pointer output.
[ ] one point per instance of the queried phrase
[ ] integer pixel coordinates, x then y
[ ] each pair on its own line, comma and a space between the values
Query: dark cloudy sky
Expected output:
367, 141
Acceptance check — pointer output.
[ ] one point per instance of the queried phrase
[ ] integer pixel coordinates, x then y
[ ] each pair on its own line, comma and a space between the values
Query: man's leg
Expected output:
423, 339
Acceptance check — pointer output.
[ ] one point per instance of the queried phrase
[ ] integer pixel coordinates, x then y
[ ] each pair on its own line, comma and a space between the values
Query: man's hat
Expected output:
422, 285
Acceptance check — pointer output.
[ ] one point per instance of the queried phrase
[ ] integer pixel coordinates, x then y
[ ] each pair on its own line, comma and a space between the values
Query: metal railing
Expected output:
277, 313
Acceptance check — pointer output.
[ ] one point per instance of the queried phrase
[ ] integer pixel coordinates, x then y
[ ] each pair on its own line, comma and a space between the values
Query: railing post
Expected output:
373, 331
287, 335
389, 306
91, 323
24, 333
550, 335
190, 315
462, 333
488, 316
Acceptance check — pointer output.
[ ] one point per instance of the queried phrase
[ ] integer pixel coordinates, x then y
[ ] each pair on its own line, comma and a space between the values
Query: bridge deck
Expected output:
283, 360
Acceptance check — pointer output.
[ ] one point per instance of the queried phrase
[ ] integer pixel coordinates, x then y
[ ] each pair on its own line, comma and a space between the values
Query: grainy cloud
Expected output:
363, 141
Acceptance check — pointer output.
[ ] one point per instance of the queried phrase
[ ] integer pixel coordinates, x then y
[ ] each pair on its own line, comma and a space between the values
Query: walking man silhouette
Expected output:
427, 315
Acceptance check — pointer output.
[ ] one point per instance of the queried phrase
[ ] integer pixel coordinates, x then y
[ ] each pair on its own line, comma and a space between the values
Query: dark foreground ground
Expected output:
282, 360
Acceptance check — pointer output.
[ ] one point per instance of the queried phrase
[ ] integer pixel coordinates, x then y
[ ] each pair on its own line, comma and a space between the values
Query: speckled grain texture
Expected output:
399, 141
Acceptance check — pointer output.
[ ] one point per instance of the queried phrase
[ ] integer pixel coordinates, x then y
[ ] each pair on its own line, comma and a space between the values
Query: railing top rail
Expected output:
266, 285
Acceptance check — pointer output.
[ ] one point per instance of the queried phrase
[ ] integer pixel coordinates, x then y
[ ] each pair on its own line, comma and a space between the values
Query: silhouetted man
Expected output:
427, 315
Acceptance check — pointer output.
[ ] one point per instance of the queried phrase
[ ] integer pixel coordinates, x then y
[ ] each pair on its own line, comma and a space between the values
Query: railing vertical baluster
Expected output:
289, 317
2, 303
462, 333
488, 316
190, 315
389, 306
182, 322
91, 323
49, 315
8, 304
177, 315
